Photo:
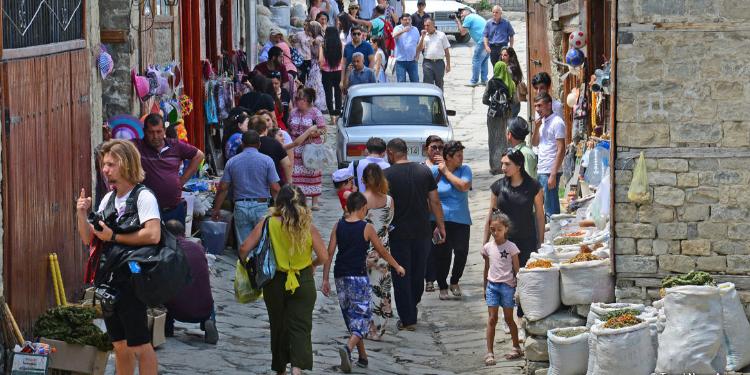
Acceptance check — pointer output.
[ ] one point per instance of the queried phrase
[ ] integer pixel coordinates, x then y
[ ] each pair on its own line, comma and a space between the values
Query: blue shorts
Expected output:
500, 294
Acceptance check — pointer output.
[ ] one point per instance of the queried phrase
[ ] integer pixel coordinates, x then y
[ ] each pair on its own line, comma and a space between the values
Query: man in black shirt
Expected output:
417, 19
260, 97
271, 147
414, 193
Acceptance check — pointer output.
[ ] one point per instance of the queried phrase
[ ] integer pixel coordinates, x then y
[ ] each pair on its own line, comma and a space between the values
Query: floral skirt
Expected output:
309, 180
381, 284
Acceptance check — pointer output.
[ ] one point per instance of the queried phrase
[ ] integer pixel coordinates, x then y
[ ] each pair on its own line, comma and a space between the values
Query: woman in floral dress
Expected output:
304, 116
380, 214
315, 77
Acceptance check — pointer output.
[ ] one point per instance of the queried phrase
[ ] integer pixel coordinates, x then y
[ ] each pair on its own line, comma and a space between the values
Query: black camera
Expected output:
453, 16
107, 297
94, 219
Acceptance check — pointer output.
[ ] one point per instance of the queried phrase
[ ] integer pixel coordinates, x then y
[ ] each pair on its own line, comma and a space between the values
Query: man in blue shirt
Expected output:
407, 38
498, 33
253, 179
358, 45
474, 24
357, 73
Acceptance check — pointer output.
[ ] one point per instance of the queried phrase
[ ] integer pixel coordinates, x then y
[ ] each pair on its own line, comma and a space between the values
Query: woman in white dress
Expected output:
380, 214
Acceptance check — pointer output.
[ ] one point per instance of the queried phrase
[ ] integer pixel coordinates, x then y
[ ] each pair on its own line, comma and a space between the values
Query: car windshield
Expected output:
396, 110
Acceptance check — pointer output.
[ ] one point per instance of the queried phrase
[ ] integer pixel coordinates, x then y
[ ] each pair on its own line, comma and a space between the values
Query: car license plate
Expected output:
415, 149
449, 29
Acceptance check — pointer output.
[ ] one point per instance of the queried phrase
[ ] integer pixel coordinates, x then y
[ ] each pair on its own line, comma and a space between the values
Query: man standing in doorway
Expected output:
161, 159
414, 193
406, 37
549, 138
498, 33
474, 24
437, 55
253, 179
418, 18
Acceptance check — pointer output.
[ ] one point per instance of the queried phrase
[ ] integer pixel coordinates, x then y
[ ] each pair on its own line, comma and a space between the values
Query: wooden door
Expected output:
538, 47
157, 33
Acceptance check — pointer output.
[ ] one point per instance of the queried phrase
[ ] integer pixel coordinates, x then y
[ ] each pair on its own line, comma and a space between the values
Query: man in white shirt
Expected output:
437, 56
549, 138
407, 38
375, 154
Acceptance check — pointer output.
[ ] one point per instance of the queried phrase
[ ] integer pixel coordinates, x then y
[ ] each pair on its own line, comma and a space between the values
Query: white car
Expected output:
443, 12
410, 111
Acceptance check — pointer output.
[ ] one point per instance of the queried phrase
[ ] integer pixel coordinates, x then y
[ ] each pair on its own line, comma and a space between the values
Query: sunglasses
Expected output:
511, 151
356, 34
436, 148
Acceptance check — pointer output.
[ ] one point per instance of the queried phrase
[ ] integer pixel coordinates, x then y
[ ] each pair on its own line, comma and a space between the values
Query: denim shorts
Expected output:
500, 294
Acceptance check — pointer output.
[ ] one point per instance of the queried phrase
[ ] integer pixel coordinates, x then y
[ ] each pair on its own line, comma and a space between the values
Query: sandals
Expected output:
489, 359
516, 353
429, 286
456, 290
409, 327
443, 296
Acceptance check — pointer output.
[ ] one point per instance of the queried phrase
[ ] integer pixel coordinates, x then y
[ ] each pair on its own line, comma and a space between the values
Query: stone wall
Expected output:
682, 98
117, 91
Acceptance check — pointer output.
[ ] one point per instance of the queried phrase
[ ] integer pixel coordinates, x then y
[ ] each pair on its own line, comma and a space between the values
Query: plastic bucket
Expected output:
214, 235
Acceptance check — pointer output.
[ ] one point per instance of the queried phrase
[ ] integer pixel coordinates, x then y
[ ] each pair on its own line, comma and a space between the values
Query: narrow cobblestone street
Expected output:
450, 335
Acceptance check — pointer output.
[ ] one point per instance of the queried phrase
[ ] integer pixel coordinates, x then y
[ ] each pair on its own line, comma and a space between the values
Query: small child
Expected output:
343, 181
500, 268
353, 236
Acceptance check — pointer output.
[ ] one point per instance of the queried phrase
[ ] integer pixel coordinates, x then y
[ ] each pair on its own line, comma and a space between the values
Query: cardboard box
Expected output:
29, 364
157, 320
76, 358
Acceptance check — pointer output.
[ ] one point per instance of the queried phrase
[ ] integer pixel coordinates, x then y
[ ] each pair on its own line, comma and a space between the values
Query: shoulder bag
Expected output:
261, 263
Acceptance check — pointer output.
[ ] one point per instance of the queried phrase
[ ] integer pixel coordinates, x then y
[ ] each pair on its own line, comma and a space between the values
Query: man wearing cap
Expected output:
518, 129
437, 55
498, 33
407, 38
161, 159
343, 181
253, 179
418, 18
375, 155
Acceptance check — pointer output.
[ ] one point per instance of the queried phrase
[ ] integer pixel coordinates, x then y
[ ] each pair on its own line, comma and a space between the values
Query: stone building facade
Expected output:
682, 98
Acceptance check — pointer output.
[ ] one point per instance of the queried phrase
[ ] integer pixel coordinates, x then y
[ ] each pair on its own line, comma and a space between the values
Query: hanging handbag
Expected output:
261, 263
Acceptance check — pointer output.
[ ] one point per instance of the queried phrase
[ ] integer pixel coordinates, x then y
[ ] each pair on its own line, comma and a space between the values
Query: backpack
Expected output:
500, 100
296, 58
390, 43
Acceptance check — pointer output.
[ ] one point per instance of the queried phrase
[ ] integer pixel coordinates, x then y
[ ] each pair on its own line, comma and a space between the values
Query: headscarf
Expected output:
501, 72
315, 29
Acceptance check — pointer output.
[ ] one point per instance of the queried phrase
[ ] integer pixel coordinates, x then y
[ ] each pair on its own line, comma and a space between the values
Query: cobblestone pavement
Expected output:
450, 335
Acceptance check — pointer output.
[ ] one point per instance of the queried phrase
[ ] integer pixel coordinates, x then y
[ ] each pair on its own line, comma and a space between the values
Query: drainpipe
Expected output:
251, 33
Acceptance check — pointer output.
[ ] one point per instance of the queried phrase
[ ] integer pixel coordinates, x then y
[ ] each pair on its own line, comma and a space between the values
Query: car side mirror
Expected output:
450, 112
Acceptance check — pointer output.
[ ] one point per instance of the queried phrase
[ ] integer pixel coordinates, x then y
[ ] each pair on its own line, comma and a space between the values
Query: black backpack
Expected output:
500, 100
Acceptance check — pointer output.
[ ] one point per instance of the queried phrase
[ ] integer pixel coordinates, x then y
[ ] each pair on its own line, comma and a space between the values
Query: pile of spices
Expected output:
622, 321
583, 257
538, 263
618, 313
579, 233
562, 241
570, 332
692, 278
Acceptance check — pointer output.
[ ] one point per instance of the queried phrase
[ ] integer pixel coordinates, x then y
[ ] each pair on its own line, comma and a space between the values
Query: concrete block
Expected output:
624, 245
712, 263
738, 264
535, 348
693, 212
635, 230
636, 135
736, 134
636, 264
696, 247
723, 212
739, 231
727, 247
625, 212
673, 165
687, 180
669, 196
676, 263
662, 178
663, 247
709, 230
655, 213
672, 231
562, 318
695, 133
644, 246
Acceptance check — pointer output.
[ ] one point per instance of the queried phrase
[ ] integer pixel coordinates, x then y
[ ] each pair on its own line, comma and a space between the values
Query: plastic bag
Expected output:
318, 156
736, 328
639, 191
243, 290
583, 283
539, 292
597, 164
567, 355
693, 335
621, 351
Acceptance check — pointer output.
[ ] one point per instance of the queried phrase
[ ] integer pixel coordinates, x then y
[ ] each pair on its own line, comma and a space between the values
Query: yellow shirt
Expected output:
285, 260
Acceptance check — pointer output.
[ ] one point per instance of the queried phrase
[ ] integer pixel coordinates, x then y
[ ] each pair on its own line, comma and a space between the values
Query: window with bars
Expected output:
28, 23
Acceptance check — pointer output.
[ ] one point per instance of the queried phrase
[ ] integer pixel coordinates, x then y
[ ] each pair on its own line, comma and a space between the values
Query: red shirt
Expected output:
163, 169
341, 197
263, 69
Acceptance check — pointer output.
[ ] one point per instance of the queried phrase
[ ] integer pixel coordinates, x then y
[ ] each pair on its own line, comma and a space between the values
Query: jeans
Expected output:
551, 197
479, 67
247, 214
177, 213
412, 255
332, 89
456, 246
404, 67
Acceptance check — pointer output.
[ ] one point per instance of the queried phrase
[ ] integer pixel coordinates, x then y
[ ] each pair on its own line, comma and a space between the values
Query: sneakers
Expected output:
361, 362
472, 84
409, 327
346, 359
211, 336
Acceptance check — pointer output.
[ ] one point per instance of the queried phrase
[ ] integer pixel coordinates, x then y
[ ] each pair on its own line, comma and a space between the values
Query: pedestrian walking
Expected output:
433, 148
520, 197
518, 129
498, 33
418, 18
260, 96
509, 57
407, 38
290, 295
380, 214
237, 125
302, 41
343, 182
501, 266
272, 148
437, 56
549, 139
375, 155
357, 73
129, 202
331, 66
358, 44
453, 184
414, 193
304, 116
282, 100
162, 159
498, 97
315, 77
353, 236
381, 60
474, 24
253, 180
194, 302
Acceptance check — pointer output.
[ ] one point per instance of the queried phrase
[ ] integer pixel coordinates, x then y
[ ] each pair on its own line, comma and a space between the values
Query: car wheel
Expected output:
462, 38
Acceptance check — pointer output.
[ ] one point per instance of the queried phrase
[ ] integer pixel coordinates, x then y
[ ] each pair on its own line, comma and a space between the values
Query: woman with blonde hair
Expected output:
380, 214
290, 296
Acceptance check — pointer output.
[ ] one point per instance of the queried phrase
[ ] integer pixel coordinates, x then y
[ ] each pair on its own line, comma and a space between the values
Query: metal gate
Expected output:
512, 5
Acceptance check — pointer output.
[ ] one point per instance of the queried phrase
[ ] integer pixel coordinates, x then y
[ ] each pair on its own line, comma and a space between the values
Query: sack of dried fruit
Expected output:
539, 289
736, 328
568, 350
599, 310
582, 283
693, 336
622, 347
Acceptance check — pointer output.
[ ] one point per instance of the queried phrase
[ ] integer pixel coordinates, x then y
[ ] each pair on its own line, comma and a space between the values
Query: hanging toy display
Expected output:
577, 39
126, 127
181, 131
140, 84
572, 98
186, 105
574, 57
104, 62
